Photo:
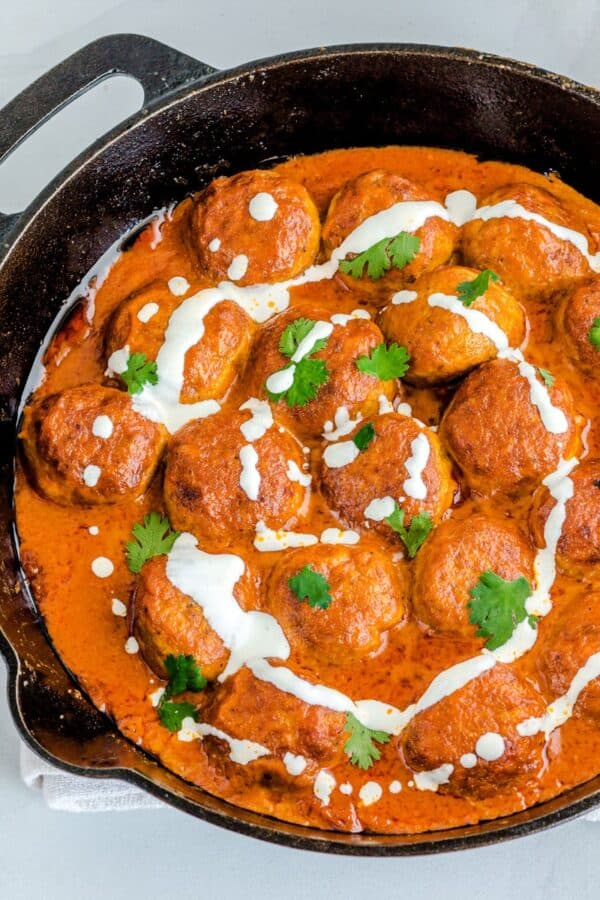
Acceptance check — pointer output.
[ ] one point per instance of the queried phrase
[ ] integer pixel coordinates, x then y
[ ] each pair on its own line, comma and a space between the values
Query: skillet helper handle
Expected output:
156, 66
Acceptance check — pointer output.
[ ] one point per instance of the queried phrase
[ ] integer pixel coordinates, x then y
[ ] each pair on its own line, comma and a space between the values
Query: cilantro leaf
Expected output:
594, 334
309, 375
469, 291
413, 536
152, 538
384, 362
295, 332
360, 746
547, 377
497, 606
172, 714
395, 252
139, 371
184, 675
311, 586
364, 436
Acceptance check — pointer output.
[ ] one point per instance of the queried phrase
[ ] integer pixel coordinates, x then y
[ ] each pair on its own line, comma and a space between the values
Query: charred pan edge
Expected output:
88, 744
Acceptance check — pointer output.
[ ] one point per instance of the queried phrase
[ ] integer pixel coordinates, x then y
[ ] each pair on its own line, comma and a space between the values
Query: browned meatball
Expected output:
203, 485
371, 193
496, 434
526, 255
211, 365
88, 446
578, 550
565, 647
250, 709
577, 312
380, 471
368, 596
168, 621
493, 703
239, 241
441, 343
451, 560
346, 385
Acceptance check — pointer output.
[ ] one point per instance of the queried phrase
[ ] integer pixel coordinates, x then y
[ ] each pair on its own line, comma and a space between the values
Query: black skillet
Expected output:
197, 123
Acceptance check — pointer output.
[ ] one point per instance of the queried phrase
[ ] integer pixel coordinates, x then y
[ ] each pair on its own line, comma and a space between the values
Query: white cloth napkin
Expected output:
75, 793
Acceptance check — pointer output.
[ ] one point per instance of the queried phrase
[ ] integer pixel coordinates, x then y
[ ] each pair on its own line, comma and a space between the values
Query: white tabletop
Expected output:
163, 853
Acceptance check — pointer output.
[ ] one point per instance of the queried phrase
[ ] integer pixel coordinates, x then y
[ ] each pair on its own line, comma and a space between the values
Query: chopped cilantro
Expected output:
469, 291
139, 371
184, 675
594, 334
395, 252
309, 374
311, 586
360, 746
384, 362
364, 436
172, 714
547, 377
152, 538
295, 332
413, 536
497, 607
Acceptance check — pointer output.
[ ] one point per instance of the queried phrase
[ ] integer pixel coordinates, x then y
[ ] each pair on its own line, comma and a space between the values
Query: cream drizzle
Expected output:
102, 427
323, 786
294, 764
343, 424
432, 779
490, 746
237, 267
338, 536
561, 709
178, 285
268, 540
261, 419
263, 206
91, 475
280, 381
414, 486
240, 751
147, 311
249, 476
341, 454
380, 508
370, 792
295, 474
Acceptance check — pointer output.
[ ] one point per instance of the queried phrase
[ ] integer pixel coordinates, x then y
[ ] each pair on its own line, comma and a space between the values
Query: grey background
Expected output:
162, 853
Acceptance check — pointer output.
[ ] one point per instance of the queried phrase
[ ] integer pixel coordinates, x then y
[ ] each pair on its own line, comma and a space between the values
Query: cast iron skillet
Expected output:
197, 123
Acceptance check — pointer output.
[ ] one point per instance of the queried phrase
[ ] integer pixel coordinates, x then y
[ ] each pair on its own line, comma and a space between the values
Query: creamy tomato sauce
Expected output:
74, 554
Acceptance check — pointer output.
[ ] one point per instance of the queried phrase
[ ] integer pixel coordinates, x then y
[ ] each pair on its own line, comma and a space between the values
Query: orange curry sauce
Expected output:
57, 547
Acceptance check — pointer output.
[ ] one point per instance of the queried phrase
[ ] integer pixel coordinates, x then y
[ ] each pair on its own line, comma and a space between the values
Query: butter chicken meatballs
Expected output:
343, 340
211, 365
578, 324
473, 733
364, 595
221, 480
453, 558
578, 548
88, 446
496, 433
371, 193
403, 464
444, 337
527, 254
255, 227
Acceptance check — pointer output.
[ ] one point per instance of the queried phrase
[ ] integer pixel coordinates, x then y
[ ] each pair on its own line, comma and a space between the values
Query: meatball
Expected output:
165, 620
565, 647
578, 310
215, 488
441, 343
255, 227
370, 194
578, 550
346, 386
211, 365
496, 434
250, 709
88, 446
449, 732
403, 462
368, 596
526, 255
450, 562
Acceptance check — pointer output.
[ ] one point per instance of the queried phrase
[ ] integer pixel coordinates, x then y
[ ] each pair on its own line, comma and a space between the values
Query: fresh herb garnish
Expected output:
413, 536
364, 436
547, 377
384, 362
140, 371
311, 586
469, 291
594, 334
498, 606
395, 252
184, 675
308, 374
152, 538
360, 746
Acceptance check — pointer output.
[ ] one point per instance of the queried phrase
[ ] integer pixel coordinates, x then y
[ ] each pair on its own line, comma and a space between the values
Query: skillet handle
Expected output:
156, 66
